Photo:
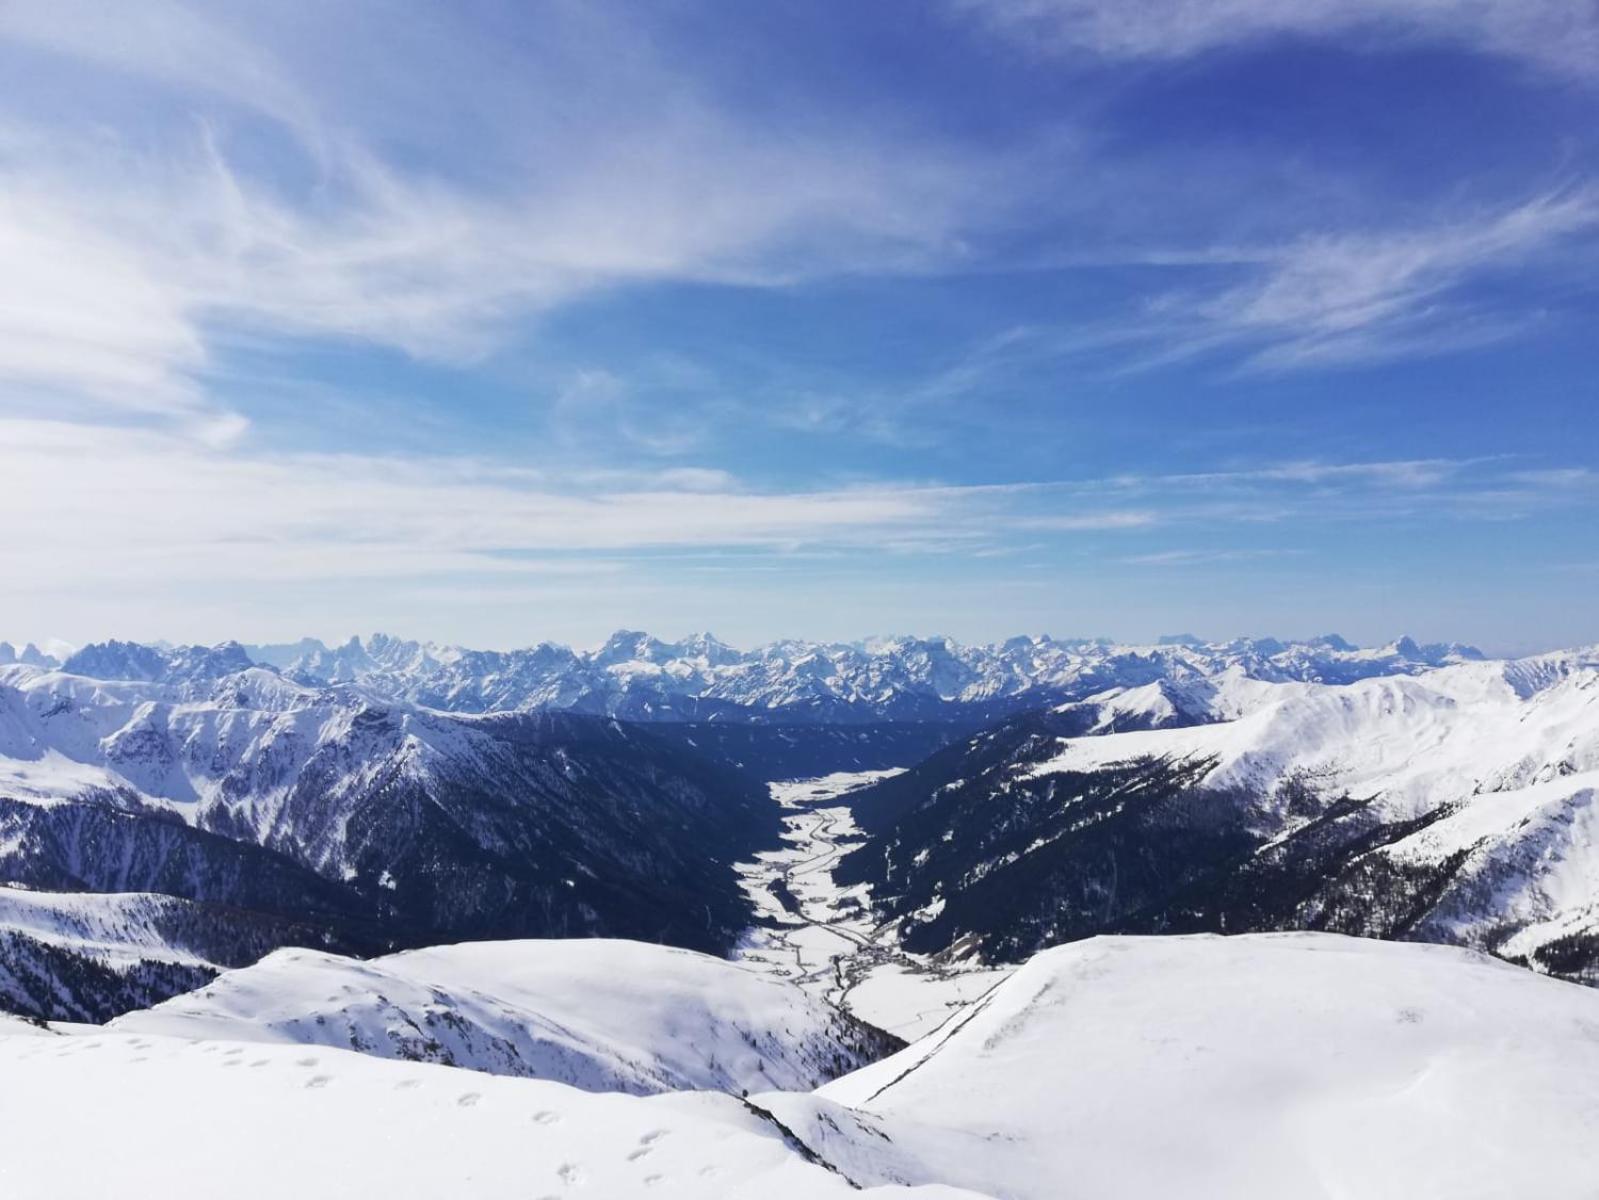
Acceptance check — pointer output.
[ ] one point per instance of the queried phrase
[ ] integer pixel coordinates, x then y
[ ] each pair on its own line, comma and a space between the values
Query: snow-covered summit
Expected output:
634, 674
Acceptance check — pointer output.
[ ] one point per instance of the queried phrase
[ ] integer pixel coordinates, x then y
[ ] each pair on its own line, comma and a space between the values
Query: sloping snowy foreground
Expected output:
601, 1015
1271, 1066
1303, 1066
97, 1116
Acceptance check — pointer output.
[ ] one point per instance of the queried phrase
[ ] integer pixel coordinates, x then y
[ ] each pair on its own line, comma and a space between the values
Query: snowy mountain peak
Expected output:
639, 676
117, 660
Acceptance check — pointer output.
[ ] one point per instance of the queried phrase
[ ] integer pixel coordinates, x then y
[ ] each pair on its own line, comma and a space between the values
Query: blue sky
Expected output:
496, 322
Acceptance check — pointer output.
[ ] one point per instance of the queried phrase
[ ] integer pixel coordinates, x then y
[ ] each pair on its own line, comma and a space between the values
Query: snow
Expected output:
119, 928
1302, 1065
260, 1122
635, 673
1412, 742
910, 1000
602, 1015
1504, 755
1244, 1068
830, 944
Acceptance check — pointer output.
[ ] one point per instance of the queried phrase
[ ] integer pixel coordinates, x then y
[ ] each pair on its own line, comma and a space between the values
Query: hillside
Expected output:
604, 1016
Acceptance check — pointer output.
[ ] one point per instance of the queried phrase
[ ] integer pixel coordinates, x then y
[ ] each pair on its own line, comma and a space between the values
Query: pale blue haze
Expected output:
496, 322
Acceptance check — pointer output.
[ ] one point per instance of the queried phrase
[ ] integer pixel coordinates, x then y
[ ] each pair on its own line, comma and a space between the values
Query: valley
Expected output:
823, 937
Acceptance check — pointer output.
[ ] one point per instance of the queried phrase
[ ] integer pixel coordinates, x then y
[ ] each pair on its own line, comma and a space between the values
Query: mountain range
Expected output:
169, 812
639, 677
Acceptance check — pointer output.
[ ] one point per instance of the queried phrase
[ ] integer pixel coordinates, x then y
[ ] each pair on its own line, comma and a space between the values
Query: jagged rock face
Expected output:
640, 677
1460, 806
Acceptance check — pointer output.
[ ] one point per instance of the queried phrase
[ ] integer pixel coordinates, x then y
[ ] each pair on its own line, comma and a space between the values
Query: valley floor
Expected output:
822, 937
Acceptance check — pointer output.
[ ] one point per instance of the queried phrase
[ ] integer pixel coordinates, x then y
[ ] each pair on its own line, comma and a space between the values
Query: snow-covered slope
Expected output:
1459, 805
1410, 742
610, 1016
84, 956
1497, 763
1289, 1065
92, 1116
1246, 1068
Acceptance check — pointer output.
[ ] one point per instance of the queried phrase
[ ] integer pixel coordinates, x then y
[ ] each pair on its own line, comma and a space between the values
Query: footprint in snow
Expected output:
546, 1117
318, 1081
569, 1173
469, 1099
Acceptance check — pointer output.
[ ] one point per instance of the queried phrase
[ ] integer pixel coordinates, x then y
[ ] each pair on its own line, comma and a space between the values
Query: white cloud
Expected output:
1347, 297
1356, 296
139, 531
129, 250
103, 505
85, 311
1558, 34
1195, 558
1090, 521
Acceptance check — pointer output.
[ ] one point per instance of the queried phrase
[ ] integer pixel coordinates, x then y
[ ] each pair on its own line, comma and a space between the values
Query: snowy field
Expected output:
89, 1117
1296, 1066
822, 937
1264, 1067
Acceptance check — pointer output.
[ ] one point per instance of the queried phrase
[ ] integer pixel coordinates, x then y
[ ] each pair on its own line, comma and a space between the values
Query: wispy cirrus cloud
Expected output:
1199, 558
215, 513
1355, 297
1321, 300
1562, 35
159, 519
275, 204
